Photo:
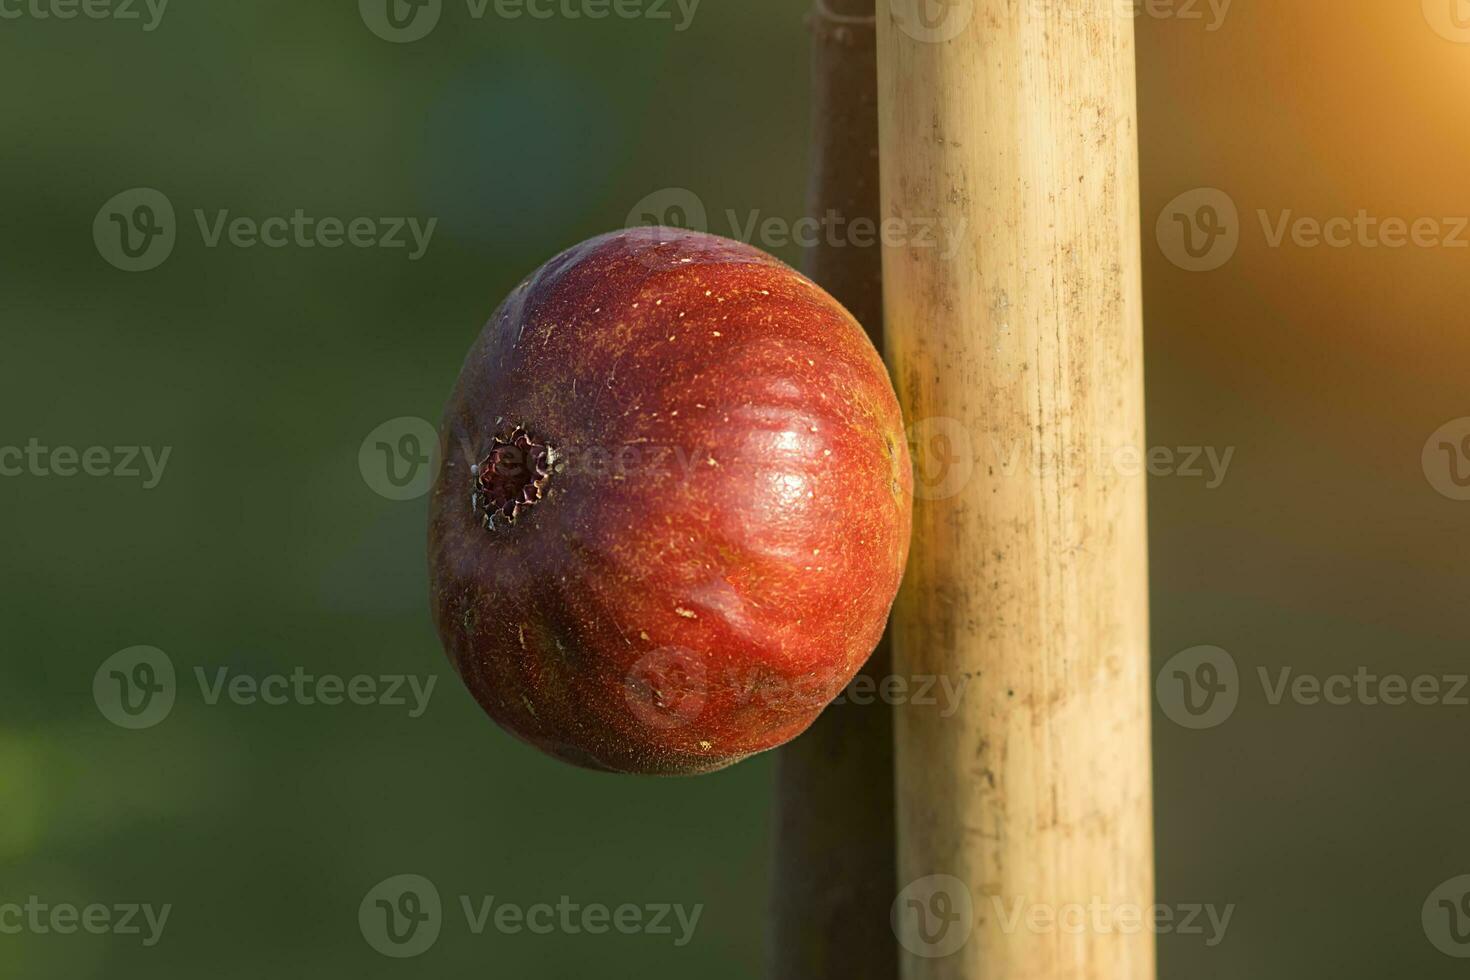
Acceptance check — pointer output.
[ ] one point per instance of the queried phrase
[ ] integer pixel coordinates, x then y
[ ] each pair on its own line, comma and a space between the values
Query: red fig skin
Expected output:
673, 507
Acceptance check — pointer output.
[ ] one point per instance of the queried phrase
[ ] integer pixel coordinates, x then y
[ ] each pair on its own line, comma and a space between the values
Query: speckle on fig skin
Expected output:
694, 550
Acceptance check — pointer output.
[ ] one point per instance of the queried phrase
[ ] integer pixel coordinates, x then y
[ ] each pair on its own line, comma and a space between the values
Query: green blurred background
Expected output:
264, 549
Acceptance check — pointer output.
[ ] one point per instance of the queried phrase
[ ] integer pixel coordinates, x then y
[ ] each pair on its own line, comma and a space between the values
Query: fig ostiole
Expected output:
673, 505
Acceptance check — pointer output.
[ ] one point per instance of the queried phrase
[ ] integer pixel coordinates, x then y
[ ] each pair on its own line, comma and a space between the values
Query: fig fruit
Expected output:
673, 505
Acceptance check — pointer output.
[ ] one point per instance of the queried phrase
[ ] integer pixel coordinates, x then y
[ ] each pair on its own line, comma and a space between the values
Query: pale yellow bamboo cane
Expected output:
1015, 340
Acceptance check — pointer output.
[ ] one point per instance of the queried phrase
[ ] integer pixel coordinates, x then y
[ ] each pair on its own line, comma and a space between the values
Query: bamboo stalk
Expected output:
1018, 357
834, 859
